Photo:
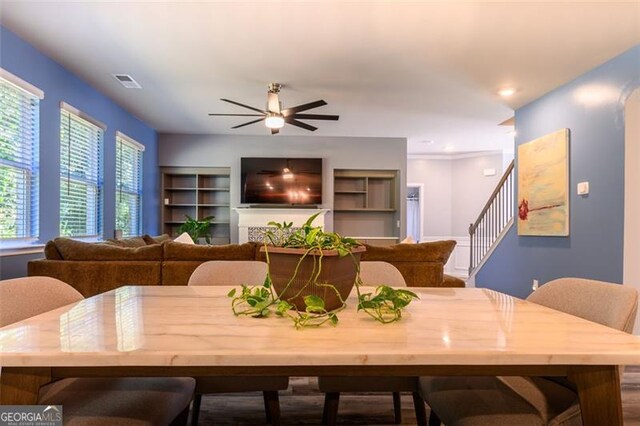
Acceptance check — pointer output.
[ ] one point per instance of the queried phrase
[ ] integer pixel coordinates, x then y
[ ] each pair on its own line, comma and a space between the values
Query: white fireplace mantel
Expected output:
252, 221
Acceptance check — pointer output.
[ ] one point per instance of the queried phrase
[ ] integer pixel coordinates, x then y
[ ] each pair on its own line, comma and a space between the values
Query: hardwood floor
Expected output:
302, 404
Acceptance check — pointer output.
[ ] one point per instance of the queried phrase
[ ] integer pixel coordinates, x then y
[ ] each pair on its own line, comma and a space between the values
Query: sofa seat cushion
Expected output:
119, 401
178, 251
436, 251
78, 250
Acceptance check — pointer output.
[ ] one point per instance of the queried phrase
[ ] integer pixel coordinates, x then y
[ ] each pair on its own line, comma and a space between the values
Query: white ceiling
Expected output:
421, 70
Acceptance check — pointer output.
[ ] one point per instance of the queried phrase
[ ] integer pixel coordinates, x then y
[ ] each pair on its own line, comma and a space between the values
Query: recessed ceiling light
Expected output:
506, 92
449, 148
428, 142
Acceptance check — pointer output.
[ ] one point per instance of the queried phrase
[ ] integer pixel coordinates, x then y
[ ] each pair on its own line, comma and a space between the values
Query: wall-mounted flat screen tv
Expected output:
281, 181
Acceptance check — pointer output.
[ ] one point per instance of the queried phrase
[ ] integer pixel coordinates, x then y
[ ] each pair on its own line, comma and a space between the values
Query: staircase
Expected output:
494, 221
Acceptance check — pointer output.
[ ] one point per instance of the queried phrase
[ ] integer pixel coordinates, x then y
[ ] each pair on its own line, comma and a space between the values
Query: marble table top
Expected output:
194, 326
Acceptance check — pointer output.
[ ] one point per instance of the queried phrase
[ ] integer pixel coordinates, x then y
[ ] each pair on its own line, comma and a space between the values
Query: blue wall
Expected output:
23, 60
592, 107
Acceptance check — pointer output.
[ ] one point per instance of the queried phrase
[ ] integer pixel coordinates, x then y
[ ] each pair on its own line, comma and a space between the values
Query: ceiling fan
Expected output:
275, 117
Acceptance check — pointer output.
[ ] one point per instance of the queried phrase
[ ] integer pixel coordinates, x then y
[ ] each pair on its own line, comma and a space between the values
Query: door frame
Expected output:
420, 187
631, 247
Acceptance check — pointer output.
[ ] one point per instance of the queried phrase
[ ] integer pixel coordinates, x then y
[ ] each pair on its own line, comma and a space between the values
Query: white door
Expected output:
632, 195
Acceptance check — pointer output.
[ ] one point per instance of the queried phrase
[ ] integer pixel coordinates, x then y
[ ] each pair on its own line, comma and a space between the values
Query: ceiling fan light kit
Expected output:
274, 121
275, 117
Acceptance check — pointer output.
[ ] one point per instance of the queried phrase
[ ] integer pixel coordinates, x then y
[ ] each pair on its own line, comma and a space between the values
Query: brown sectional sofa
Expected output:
93, 268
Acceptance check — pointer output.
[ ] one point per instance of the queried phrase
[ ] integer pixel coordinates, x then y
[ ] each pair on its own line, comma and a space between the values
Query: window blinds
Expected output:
80, 176
128, 185
19, 140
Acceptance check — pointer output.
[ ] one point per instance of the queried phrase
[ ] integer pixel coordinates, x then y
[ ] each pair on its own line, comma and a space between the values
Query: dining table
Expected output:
140, 331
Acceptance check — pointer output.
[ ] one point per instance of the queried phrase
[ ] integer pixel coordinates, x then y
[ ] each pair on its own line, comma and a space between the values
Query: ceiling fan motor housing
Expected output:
275, 87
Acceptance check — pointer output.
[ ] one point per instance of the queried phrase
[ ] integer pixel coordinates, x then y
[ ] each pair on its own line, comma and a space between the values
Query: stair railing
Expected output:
494, 218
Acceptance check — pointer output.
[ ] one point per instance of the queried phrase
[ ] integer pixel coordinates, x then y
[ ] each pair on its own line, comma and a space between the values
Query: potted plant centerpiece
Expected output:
310, 276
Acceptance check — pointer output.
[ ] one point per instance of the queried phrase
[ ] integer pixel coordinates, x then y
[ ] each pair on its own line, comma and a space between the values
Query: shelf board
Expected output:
180, 205
180, 189
220, 222
174, 222
350, 192
367, 210
213, 189
214, 205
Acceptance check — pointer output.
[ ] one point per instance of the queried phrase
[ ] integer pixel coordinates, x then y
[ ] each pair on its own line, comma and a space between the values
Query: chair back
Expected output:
377, 273
229, 272
608, 304
22, 298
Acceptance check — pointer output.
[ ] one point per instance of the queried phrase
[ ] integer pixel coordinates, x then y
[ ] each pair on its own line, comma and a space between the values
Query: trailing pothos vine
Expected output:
385, 304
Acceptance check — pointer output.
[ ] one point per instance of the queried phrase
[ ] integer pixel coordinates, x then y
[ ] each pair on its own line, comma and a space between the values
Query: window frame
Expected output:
124, 140
84, 120
31, 168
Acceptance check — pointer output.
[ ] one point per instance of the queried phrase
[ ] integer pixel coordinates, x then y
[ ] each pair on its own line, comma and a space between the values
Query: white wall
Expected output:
455, 191
435, 175
471, 189
337, 153
632, 195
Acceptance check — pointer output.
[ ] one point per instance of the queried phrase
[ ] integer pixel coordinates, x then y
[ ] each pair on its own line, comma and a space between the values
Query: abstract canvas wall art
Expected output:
543, 186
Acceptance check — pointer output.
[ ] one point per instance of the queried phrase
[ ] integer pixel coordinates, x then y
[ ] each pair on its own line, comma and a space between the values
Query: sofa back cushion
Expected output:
51, 251
128, 242
201, 253
78, 250
421, 265
155, 239
436, 251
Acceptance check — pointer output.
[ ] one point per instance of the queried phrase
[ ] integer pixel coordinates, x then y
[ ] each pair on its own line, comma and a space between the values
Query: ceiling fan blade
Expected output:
290, 111
273, 104
247, 123
243, 105
316, 117
297, 123
275, 131
236, 115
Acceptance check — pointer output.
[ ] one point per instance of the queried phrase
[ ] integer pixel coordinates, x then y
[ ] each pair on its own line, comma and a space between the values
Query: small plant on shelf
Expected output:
311, 273
197, 228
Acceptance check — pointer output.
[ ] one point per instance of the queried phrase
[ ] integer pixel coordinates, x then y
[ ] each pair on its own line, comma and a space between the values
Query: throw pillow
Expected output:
184, 238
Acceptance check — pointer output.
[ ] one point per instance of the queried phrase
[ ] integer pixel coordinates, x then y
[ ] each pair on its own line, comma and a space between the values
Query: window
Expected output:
128, 185
19, 140
80, 174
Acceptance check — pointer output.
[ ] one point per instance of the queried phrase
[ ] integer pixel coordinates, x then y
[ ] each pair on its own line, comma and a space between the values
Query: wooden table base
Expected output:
598, 387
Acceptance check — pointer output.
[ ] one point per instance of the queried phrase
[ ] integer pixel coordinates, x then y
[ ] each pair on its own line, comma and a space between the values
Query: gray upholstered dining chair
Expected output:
372, 273
235, 272
472, 401
128, 401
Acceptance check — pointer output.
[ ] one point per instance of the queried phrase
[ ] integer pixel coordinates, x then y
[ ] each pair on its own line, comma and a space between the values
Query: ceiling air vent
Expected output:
127, 81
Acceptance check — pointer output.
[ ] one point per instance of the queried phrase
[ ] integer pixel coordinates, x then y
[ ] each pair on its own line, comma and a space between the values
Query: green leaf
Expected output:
231, 293
313, 301
311, 219
333, 318
282, 307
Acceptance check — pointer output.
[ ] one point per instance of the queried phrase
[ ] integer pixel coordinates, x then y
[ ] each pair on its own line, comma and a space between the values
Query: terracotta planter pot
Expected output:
337, 271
